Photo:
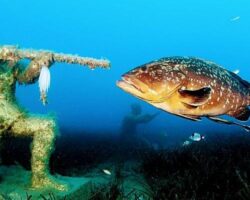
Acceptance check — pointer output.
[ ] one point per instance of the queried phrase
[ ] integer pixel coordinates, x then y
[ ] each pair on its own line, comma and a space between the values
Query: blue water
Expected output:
129, 33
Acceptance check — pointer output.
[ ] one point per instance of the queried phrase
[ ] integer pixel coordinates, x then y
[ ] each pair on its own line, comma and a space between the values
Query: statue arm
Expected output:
39, 61
29, 74
145, 118
41, 58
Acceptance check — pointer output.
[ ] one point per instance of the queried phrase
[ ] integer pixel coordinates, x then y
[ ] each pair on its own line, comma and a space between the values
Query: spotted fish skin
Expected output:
189, 87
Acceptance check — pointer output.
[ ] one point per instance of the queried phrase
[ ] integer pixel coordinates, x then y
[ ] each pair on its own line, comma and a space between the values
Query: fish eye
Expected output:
143, 68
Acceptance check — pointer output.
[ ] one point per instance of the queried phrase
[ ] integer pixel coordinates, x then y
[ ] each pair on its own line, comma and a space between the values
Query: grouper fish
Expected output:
191, 88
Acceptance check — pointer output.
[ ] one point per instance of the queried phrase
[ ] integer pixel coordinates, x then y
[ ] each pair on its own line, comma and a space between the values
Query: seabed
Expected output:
15, 186
216, 168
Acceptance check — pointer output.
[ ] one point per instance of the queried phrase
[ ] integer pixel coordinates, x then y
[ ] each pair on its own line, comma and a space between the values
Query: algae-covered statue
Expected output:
15, 121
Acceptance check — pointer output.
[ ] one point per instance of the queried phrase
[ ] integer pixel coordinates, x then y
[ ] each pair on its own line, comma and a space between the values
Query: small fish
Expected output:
235, 19
191, 88
186, 143
106, 171
196, 137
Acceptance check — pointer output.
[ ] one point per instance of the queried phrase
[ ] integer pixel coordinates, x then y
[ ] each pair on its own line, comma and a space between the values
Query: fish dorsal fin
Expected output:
242, 81
195, 97
242, 114
237, 71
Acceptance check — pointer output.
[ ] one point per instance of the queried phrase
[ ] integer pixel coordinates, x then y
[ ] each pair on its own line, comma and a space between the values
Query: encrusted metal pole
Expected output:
13, 53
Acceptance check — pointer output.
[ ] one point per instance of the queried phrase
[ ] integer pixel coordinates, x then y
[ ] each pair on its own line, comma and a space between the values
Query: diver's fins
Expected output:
224, 121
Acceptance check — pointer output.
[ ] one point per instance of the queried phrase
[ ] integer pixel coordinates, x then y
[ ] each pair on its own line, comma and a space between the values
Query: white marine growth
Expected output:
44, 81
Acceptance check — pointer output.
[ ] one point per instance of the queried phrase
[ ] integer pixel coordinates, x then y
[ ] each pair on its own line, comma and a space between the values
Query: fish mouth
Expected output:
139, 89
131, 85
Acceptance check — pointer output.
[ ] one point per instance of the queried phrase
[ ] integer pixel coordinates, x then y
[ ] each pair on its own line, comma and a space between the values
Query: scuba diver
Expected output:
130, 123
16, 121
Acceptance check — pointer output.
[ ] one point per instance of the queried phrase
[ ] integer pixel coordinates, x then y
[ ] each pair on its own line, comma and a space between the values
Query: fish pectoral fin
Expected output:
242, 114
224, 121
189, 106
195, 97
190, 117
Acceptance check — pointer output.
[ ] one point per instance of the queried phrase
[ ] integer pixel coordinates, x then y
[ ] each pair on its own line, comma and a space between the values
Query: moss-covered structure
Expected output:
15, 121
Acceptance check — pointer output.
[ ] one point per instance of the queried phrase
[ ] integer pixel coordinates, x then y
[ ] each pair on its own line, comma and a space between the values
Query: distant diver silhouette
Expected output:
132, 120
